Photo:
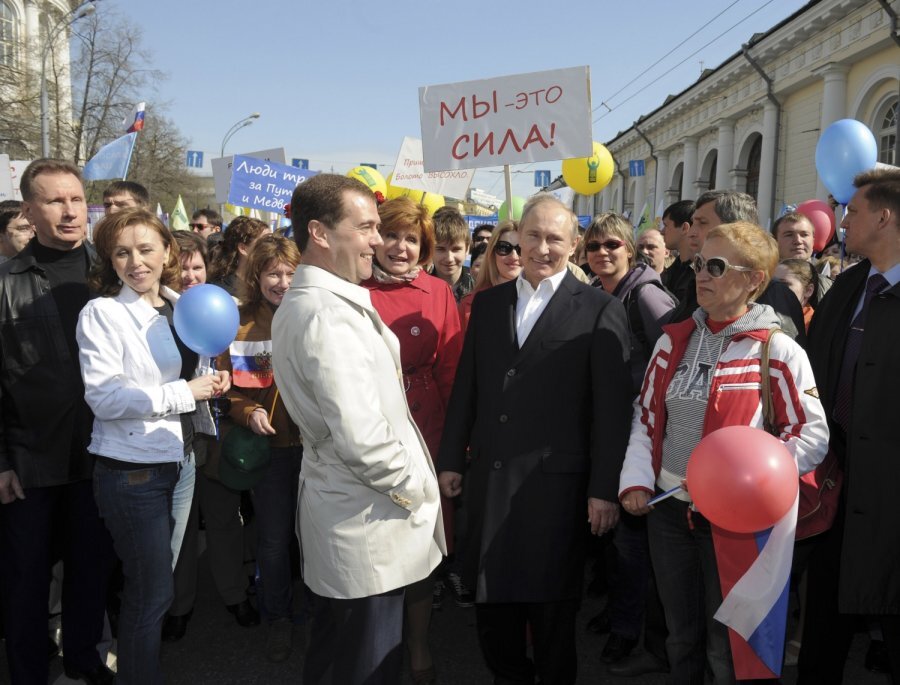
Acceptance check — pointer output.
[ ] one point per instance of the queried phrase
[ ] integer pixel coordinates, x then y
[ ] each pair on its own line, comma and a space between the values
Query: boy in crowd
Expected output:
452, 243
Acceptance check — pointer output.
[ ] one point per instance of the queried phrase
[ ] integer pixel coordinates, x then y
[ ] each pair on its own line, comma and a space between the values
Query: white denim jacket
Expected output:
131, 366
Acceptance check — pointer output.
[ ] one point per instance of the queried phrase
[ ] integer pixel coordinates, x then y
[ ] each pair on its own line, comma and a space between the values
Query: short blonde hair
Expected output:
757, 249
614, 226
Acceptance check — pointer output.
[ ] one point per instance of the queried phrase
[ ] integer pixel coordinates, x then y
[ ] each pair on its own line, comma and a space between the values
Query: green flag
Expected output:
178, 219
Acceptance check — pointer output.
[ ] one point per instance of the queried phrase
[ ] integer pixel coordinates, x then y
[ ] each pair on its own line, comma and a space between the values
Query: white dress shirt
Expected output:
532, 303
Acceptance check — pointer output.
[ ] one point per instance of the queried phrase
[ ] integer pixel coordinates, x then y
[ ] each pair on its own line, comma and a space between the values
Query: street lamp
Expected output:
246, 121
83, 10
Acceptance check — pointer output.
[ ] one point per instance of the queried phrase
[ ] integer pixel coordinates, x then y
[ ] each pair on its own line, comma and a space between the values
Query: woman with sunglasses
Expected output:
501, 264
705, 375
421, 311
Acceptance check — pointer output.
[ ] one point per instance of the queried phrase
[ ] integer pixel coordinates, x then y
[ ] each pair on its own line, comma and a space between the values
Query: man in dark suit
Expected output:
542, 402
855, 567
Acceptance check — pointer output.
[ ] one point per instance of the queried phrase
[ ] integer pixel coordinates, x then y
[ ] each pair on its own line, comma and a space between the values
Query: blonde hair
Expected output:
757, 249
490, 275
614, 226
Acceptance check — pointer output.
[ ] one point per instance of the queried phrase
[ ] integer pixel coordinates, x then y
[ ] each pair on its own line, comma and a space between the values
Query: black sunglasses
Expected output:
504, 248
481, 238
200, 227
715, 266
609, 245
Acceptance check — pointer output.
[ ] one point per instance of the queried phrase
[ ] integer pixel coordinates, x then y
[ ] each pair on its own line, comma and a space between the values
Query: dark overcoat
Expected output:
547, 426
870, 555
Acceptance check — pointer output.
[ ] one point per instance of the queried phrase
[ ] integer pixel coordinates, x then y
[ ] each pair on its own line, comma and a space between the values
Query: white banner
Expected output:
409, 172
518, 119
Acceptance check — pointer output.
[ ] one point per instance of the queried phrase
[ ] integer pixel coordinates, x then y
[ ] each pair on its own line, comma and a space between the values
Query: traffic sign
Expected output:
300, 163
636, 167
542, 178
194, 159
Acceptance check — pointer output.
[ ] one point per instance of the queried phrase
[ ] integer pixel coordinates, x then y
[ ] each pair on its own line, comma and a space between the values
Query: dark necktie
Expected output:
844, 395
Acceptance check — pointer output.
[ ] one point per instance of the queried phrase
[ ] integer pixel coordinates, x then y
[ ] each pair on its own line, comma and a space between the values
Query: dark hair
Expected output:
9, 210
477, 251
402, 213
264, 251
321, 198
680, 212
103, 278
789, 218
730, 206
45, 166
225, 257
190, 244
483, 227
136, 190
882, 190
212, 216
450, 227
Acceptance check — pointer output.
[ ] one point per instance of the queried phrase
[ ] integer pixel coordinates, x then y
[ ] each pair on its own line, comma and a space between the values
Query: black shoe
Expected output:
461, 595
174, 627
638, 664
99, 675
877, 657
617, 648
244, 614
599, 624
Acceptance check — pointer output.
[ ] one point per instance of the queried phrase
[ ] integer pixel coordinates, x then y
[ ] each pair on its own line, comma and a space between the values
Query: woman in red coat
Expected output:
422, 313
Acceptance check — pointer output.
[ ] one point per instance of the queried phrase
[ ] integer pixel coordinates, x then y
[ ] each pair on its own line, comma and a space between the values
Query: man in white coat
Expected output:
368, 512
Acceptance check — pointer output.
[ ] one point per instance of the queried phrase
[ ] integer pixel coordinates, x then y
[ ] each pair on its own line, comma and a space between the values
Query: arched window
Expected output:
711, 178
677, 178
8, 35
753, 168
886, 131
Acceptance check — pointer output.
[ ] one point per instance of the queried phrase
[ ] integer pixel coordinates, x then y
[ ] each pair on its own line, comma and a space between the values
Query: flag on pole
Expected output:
178, 219
136, 121
159, 211
646, 220
111, 160
658, 219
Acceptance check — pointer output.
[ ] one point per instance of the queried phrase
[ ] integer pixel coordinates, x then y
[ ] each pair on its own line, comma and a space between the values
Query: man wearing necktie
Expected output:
854, 347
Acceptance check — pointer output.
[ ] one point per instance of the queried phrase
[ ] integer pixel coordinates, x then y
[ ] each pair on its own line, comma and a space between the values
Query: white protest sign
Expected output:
17, 168
534, 117
6, 184
221, 168
409, 172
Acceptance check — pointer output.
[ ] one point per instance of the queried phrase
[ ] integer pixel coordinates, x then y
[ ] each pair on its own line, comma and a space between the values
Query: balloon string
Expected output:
666, 495
215, 402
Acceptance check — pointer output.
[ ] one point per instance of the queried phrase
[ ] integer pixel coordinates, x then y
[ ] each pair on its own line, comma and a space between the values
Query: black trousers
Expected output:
28, 527
355, 641
502, 634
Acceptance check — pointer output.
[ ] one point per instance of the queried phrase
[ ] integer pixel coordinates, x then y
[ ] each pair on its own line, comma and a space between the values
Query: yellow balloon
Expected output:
589, 175
394, 191
431, 201
370, 177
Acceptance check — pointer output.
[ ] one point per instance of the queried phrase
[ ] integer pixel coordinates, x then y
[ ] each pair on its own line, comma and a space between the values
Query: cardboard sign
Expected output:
409, 172
260, 184
221, 168
533, 117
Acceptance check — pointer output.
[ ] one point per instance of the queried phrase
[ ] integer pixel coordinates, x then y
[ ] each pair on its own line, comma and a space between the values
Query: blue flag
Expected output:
111, 160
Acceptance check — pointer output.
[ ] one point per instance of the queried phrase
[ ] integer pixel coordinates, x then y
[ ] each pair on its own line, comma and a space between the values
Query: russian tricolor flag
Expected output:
251, 363
754, 572
136, 121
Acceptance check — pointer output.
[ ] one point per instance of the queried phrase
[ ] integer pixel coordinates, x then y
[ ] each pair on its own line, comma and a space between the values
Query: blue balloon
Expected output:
845, 148
206, 319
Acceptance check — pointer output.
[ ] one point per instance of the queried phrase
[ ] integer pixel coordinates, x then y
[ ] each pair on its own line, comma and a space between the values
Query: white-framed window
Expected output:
886, 131
8, 34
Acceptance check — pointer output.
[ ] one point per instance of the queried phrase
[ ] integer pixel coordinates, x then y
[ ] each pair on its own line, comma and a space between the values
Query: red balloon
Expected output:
821, 216
742, 479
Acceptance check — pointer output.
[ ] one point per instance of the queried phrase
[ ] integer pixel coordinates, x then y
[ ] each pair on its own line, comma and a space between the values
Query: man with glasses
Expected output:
16, 230
121, 195
542, 404
482, 234
205, 222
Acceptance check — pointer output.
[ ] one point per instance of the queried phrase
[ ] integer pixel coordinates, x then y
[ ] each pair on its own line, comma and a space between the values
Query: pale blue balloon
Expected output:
206, 319
845, 148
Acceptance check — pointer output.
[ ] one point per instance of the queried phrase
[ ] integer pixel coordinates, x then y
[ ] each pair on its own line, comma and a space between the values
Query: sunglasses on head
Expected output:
504, 248
715, 266
608, 245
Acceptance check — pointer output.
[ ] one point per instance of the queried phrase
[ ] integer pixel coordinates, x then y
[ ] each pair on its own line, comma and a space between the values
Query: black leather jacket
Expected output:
45, 424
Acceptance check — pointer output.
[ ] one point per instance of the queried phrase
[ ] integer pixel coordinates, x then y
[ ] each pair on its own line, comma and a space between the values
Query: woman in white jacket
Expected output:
139, 382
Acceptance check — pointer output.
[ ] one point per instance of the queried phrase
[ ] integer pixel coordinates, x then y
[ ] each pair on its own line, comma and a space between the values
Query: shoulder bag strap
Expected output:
766, 386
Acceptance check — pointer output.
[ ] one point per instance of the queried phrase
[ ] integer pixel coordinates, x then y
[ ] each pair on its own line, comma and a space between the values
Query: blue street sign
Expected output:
542, 178
300, 163
636, 167
194, 159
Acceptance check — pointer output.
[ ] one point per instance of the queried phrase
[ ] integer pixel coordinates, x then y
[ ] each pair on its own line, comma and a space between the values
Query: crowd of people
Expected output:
397, 425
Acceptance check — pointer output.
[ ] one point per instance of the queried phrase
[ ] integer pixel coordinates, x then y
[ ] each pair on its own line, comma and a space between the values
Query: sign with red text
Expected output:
535, 117
409, 172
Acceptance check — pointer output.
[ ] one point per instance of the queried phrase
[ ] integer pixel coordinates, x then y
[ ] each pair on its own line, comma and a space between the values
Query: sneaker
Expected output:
278, 641
461, 594
437, 595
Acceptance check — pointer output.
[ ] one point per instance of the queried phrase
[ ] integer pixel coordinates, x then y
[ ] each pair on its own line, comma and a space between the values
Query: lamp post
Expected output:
246, 121
83, 10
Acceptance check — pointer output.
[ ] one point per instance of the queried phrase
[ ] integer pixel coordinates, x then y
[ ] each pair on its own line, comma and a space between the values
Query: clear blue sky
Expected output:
337, 82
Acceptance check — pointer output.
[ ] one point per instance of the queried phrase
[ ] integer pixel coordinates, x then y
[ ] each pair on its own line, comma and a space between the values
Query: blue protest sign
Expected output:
194, 159
542, 178
259, 184
636, 167
300, 163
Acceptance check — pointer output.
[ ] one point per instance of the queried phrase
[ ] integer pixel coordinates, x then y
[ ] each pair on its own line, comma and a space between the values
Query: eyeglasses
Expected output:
200, 227
481, 239
717, 267
608, 245
504, 248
